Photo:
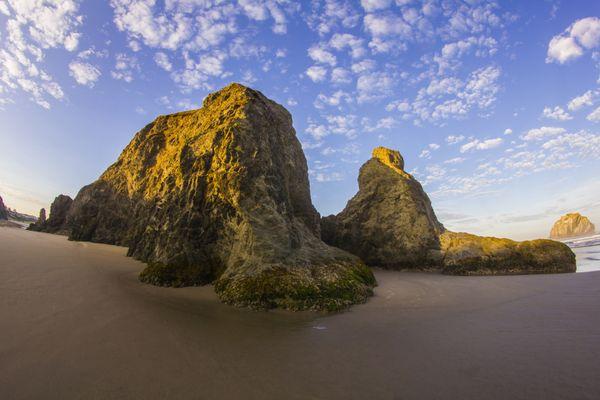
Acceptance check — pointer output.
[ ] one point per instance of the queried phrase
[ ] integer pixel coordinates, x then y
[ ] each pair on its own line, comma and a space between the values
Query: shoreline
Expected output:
76, 323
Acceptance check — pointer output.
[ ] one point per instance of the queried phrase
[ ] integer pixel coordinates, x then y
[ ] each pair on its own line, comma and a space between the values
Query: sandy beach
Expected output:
75, 323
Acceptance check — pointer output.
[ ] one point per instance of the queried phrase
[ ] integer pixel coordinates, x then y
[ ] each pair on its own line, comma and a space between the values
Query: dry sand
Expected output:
76, 324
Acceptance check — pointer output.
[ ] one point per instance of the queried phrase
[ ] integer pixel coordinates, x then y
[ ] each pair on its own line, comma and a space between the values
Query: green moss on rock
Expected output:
466, 254
327, 287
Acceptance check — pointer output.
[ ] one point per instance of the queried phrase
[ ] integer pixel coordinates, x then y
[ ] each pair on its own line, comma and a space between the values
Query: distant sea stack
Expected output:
390, 224
57, 221
3, 210
571, 226
221, 194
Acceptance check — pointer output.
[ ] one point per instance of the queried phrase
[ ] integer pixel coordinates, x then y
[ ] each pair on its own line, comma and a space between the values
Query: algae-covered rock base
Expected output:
221, 195
390, 223
466, 254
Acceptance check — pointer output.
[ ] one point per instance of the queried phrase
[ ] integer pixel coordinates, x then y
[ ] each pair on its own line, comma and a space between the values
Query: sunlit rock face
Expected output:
221, 195
572, 225
3, 210
57, 221
390, 223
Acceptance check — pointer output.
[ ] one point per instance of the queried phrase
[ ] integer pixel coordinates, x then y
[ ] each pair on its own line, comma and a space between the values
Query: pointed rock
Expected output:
389, 223
221, 195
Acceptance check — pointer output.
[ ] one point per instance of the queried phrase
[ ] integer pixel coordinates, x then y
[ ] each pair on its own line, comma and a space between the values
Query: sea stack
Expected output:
3, 210
571, 226
57, 221
221, 194
390, 224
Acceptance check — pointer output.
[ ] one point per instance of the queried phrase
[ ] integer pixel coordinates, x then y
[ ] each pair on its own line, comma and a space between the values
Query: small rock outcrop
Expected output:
390, 223
57, 221
571, 226
466, 254
221, 194
3, 210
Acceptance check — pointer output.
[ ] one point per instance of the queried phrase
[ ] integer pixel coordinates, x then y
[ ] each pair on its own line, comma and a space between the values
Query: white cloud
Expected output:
569, 45
84, 73
508, 131
331, 14
320, 55
363, 66
563, 49
454, 139
334, 100
162, 60
556, 113
542, 132
576, 146
481, 144
31, 28
386, 25
455, 160
586, 99
125, 67
336, 124
316, 73
383, 123
594, 116
451, 97
425, 154
196, 74
328, 177
374, 5
399, 105
340, 76
340, 41
373, 86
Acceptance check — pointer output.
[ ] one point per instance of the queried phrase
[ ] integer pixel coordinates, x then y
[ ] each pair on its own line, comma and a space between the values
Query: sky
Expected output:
494, 105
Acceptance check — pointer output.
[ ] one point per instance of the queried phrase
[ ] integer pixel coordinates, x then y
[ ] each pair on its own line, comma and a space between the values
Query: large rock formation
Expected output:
572, 225
57, 221
3, 210
221, 195
390, 224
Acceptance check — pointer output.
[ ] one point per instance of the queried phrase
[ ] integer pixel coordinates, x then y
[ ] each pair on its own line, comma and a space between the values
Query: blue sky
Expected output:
495, 106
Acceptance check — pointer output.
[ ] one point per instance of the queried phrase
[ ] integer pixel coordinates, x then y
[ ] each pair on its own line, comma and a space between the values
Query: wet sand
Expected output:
76, 324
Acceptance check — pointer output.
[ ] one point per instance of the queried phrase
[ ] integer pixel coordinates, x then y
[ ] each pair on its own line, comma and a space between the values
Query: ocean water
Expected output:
587, 251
